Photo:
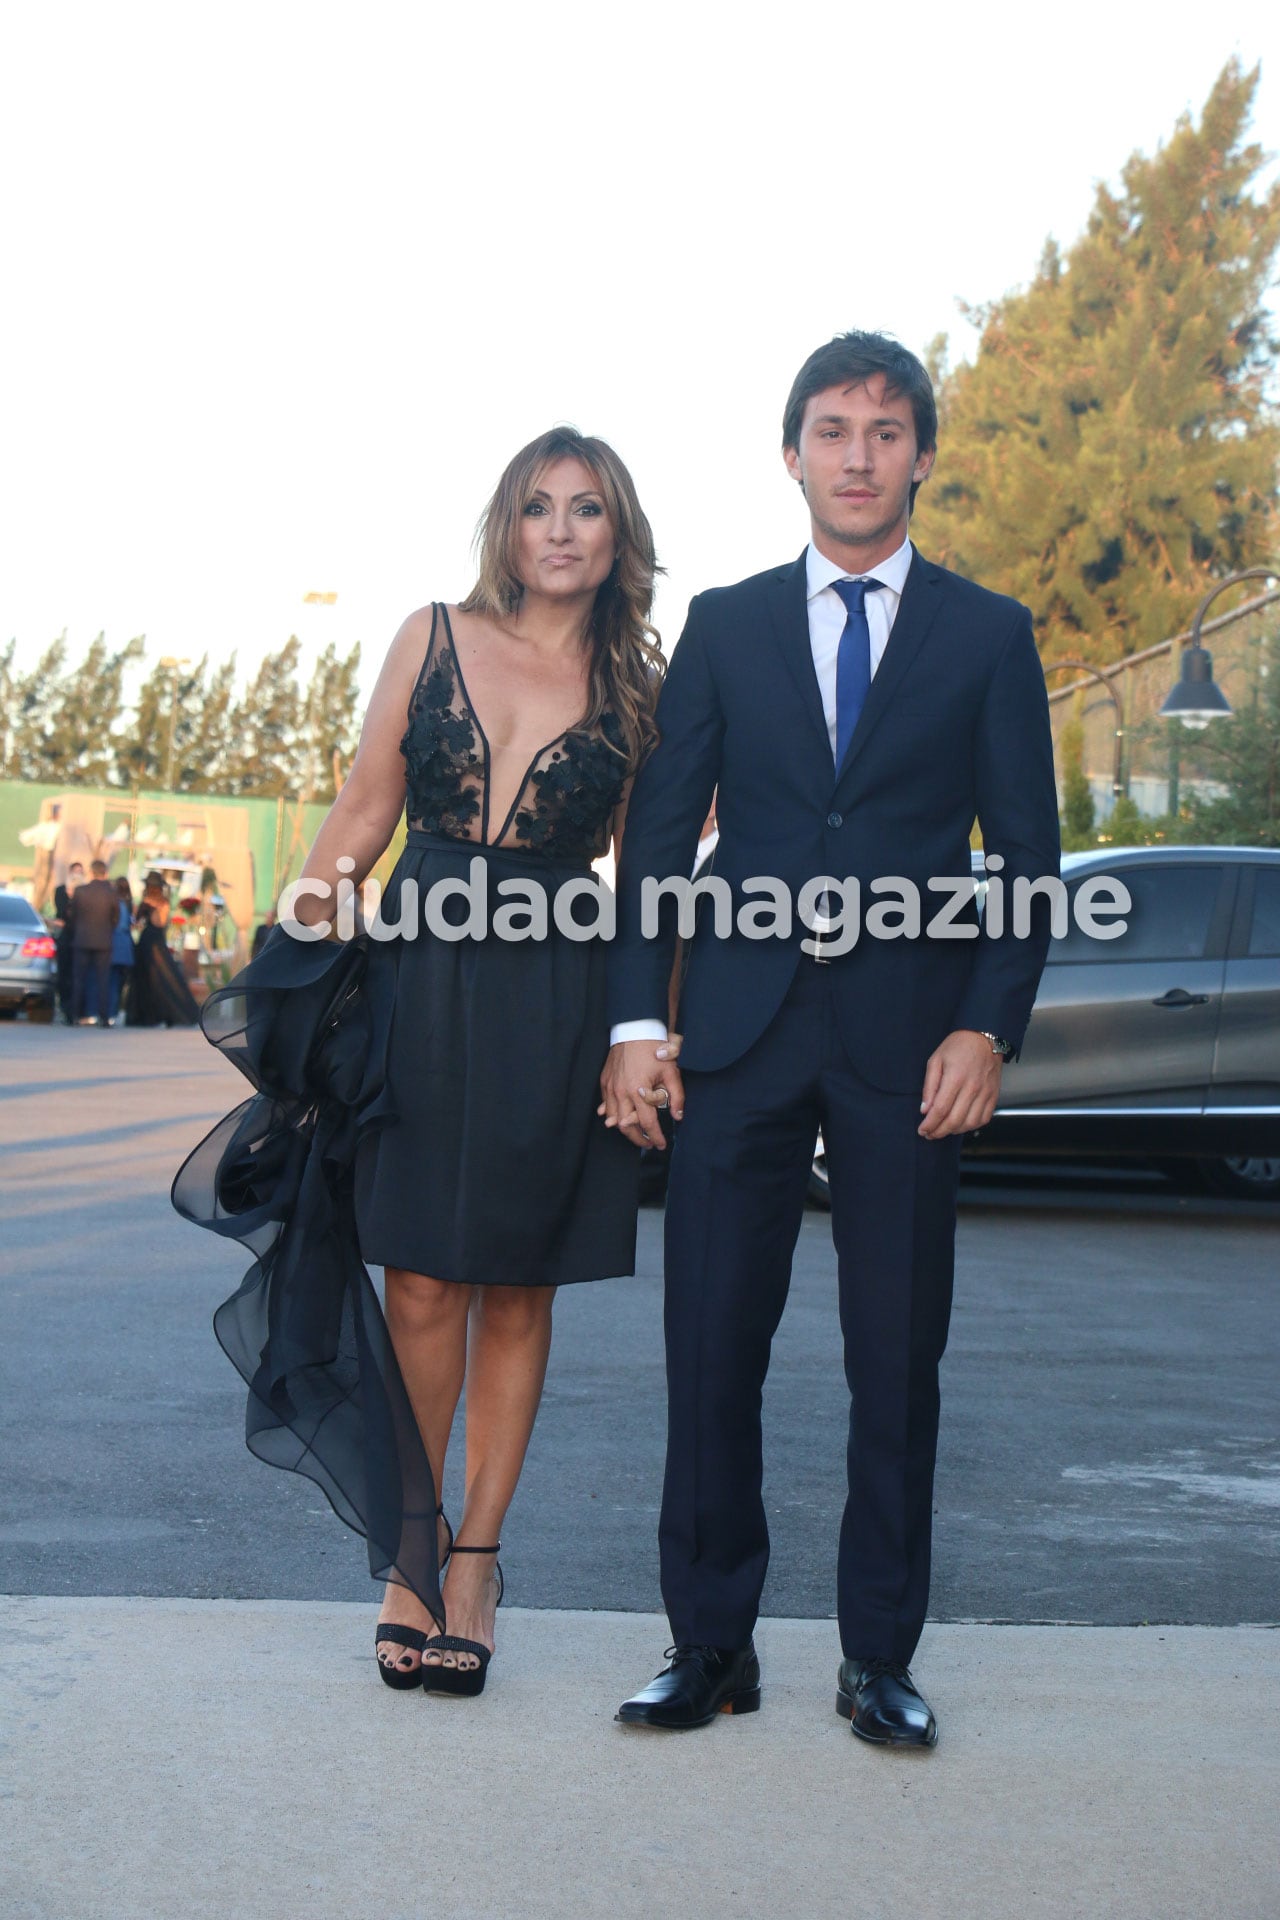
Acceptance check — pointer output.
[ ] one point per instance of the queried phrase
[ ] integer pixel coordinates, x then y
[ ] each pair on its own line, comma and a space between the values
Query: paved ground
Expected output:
215, 1759
1109, 1447
1109, 1456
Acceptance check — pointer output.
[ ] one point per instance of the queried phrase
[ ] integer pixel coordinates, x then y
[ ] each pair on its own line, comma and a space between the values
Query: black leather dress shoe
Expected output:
700, 1683
883, 1704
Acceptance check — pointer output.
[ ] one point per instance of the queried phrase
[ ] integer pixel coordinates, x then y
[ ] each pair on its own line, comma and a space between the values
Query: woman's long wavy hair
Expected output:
626, 660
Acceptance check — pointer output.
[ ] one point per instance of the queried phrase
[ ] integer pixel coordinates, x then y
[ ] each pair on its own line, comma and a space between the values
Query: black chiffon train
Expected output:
307, 1024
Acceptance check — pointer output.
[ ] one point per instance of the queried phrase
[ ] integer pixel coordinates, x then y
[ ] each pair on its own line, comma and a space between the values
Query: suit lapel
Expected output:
788, 601
921, 597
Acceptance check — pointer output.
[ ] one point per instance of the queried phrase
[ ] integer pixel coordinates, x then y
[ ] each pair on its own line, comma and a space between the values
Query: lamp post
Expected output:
1082, 666
1196, 699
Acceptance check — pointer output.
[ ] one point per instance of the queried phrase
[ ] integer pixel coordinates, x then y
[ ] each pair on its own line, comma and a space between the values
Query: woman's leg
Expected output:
510, 1341
427, 1320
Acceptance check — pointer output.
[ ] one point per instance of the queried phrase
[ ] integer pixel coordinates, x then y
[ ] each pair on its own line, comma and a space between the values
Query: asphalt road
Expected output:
1109, 1442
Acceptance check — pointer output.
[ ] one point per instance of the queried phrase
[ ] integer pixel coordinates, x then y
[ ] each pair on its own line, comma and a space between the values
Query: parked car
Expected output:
28, 964
1162, 1045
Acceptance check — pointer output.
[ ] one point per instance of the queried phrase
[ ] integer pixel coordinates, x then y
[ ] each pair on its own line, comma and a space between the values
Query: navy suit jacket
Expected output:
955, 728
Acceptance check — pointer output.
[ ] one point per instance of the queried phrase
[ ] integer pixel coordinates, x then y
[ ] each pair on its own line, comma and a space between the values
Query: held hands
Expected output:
961, 1086
636, 1075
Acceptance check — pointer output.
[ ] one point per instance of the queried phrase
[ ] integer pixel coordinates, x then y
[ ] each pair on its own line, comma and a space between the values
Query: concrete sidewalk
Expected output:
239, 1759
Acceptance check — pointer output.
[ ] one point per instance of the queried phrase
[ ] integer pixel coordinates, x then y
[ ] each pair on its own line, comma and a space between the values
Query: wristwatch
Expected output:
999, 1047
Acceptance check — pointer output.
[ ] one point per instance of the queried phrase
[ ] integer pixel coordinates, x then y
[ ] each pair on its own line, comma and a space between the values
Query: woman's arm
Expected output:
361, 821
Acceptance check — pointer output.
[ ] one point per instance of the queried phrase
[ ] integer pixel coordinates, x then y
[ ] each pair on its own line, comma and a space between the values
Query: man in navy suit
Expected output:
855, 711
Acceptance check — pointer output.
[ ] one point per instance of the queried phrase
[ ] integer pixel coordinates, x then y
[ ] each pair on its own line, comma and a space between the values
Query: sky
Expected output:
286, 285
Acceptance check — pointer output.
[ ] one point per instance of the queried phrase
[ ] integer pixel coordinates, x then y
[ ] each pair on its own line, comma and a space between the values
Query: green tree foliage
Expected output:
8, 693
1111, 450
64, 720
330, 723
189, 709
142, 746
1078, 813
216, 733
1243, 754
69, 724
265, 753
34, 699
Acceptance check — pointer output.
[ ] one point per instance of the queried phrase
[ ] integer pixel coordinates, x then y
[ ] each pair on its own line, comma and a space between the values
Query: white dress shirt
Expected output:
827, 615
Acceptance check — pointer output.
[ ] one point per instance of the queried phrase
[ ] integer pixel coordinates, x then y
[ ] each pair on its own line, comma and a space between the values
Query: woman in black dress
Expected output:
158, 994
427, 1102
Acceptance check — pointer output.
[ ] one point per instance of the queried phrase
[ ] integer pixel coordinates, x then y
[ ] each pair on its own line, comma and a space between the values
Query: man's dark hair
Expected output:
98, 868
850, 360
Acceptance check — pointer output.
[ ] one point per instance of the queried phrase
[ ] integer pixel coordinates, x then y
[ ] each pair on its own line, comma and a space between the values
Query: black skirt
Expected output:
485, 1161
424, 1103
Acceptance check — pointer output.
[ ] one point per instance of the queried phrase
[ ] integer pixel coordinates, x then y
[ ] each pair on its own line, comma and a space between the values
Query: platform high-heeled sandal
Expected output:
411, 1638
467, 1681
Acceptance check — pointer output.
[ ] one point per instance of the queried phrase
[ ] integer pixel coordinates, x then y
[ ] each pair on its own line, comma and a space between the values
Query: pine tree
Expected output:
216, 730
1243, 754
36, 696
8, 706
142, 747
82, 714
1078, 812
330, 721
264, 755
176, 731
1111, 450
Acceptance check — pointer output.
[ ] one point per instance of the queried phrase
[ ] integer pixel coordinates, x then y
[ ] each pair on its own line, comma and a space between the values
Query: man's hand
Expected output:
961, 1086
633, 1074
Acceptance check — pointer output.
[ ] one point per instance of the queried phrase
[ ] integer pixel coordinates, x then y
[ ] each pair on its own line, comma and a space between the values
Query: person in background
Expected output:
95, 908
62, 897
260, 933
121, 946
158, 996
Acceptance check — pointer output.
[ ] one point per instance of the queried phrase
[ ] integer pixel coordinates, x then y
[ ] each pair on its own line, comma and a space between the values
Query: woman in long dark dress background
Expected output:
428, 1104
158, 994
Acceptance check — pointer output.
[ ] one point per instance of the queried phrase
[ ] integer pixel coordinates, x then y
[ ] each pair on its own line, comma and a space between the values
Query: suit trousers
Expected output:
739, 1178
86, 961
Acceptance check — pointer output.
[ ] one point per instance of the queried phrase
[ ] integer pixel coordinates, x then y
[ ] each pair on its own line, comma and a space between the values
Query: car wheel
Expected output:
1243, 1179
819, 1190
40, 1015
8, 1013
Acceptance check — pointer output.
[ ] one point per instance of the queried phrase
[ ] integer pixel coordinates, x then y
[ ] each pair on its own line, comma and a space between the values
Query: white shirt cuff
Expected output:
636, 1030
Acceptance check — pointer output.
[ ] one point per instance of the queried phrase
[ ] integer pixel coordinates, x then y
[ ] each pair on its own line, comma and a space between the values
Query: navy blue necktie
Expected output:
853, 661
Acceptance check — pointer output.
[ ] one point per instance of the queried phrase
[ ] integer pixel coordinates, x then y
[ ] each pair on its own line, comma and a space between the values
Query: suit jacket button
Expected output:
835, 819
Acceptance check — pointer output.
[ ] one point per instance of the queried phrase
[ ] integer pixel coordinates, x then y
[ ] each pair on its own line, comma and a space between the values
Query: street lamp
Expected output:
1196, 698
1082, 666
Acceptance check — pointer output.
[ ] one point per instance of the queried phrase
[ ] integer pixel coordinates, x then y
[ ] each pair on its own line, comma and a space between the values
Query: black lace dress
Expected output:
425, 1102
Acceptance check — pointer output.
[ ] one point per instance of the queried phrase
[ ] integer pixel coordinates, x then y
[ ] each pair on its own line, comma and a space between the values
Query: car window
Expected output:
1169, 920
1264, 934
17, 912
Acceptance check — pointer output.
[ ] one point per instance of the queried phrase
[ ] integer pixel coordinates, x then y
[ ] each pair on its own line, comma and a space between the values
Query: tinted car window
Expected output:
1264, 935
1169, 919
15, 912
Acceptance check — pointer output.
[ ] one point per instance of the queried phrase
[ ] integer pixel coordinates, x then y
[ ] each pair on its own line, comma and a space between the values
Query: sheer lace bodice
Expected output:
563, 804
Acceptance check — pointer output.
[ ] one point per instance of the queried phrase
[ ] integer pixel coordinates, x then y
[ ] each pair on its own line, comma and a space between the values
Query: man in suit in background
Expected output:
855, 711
94, 910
